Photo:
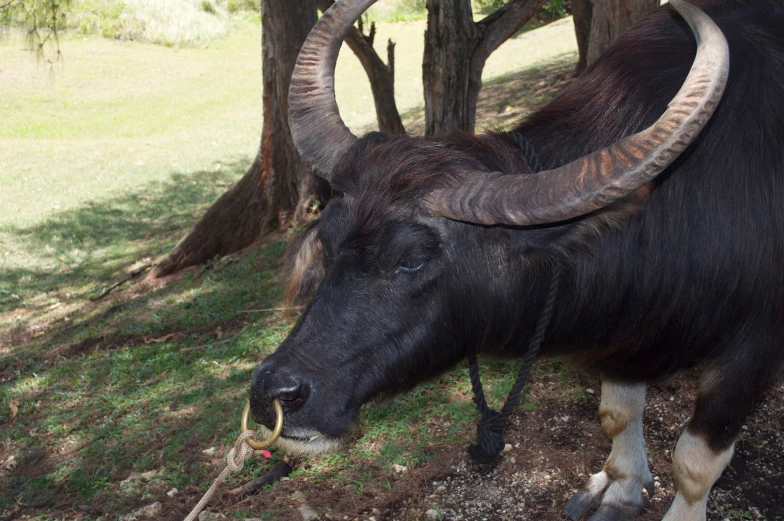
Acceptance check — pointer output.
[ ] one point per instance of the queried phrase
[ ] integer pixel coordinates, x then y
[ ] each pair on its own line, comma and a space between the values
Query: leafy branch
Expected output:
42, 20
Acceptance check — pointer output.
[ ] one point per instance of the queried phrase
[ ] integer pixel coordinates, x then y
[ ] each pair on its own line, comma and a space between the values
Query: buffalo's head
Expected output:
412, 263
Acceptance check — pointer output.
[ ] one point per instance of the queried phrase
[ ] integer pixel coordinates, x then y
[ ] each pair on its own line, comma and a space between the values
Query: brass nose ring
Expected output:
261, 445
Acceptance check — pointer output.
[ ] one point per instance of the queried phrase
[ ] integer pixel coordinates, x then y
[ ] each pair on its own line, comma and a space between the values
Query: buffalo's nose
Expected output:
270, 382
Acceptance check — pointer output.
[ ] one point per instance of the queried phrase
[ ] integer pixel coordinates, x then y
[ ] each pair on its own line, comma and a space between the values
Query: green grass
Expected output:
105, 165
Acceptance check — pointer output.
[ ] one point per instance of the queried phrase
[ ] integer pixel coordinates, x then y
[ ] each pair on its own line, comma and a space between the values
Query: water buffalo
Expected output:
661, 203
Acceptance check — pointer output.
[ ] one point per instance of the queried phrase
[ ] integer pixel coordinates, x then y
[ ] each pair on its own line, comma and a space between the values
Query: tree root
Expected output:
134, 274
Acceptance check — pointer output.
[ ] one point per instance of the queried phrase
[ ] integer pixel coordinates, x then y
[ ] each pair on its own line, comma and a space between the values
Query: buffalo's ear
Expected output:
306, 265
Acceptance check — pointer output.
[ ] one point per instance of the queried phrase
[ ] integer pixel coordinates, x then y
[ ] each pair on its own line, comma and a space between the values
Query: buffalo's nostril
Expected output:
292, 393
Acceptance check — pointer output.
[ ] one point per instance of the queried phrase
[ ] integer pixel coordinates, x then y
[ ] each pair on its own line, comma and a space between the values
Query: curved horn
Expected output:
599, 178
318, 130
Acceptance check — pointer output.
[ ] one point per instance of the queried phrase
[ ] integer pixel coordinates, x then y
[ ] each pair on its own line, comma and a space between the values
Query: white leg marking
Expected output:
617, 489
696, 468
621, 412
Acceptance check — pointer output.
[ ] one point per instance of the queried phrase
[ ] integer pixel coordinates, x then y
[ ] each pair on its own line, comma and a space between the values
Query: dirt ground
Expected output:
555, 447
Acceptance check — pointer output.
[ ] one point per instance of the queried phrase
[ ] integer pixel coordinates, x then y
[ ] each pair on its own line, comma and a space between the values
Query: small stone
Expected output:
210, 516
507, 447
130, 480
153, 510
441, 489
399, 468
298, 496
209, 452
433, 514
376, 512
149, 474
172, 492
308, 513
590, 391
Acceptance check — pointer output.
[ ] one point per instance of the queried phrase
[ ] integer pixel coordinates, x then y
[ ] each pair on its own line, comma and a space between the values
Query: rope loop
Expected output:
490, 431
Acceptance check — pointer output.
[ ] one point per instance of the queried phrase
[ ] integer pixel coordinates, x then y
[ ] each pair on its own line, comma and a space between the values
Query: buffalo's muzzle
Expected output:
271, 381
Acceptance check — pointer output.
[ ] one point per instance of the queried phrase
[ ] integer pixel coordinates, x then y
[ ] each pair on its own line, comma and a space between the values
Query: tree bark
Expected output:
582, 12
381, 75
610, 19
279, 187
456, 50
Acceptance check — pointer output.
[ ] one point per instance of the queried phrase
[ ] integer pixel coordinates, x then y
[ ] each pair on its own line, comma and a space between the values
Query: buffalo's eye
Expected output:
410, 265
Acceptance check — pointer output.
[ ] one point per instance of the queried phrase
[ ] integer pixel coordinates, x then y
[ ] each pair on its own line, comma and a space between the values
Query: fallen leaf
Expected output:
160, 340
156, 378
13, 405
10, 463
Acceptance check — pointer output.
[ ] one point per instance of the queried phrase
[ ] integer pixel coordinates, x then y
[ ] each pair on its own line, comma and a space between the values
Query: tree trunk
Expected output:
456, 50
279, 187
582, 11
450, 41
610, 19
381, 76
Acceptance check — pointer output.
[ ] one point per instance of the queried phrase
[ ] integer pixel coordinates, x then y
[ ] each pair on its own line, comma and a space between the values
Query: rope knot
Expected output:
241, 452
489, 438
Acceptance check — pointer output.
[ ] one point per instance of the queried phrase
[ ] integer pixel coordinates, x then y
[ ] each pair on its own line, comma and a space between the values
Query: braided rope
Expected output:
489, 432
234, 463
528, 150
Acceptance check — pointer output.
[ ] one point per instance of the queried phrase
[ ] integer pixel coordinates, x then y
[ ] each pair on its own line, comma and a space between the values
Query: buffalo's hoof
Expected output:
617, 500
616, 513
581, 503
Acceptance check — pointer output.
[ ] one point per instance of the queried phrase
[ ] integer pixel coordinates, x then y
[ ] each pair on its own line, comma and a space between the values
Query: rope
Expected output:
490, 431
528, 150
234, 463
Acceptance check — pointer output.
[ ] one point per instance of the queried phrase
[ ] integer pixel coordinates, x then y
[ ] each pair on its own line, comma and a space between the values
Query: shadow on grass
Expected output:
84, 248
140, 381
55, 317
506, 99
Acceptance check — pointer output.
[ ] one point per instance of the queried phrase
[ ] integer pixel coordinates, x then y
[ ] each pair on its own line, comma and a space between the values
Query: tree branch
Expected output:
503, 23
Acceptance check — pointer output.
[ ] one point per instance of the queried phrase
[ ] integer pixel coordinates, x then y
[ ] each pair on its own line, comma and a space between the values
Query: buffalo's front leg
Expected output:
617, 489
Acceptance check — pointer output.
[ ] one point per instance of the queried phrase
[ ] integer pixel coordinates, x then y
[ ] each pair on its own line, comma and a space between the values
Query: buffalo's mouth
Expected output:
302, 440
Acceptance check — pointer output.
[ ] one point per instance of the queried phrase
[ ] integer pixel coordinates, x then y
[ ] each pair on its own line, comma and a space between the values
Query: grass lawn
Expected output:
104, 165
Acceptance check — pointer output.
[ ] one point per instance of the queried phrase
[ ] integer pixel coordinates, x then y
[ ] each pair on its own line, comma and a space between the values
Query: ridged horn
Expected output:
318, 130
599, 178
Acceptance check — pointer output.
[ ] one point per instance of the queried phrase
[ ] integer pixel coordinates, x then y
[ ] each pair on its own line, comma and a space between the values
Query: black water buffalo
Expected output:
660, 203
